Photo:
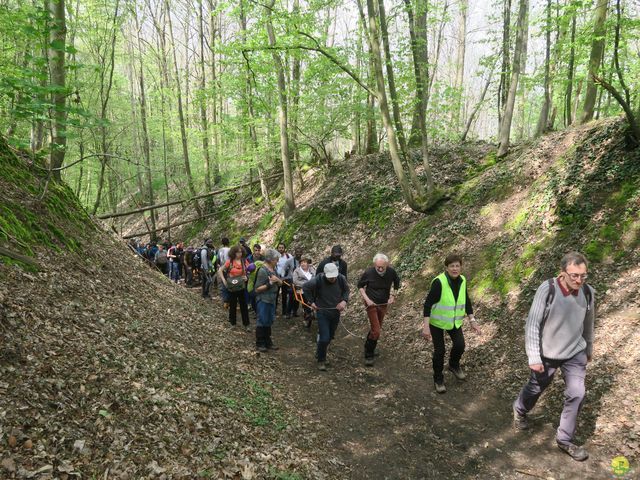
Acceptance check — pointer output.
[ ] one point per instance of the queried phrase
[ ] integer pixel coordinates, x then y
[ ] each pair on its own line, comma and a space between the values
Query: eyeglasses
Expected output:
576, 276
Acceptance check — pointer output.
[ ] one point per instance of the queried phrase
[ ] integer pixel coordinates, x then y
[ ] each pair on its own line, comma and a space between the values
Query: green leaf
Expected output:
57, 45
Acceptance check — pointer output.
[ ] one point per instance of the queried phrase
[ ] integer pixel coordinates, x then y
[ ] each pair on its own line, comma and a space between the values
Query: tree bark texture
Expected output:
521, 33
597, 48
58, 34
541, 127
183, 130
568, 105
415, 200
289, 200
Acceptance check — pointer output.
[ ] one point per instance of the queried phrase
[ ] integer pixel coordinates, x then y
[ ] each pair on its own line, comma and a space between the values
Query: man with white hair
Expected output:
375, 289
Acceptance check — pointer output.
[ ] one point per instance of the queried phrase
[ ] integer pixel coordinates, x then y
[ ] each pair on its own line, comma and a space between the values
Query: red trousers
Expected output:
376, 315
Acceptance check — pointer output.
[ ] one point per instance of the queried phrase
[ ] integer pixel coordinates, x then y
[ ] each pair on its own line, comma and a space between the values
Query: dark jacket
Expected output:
324, 293
341, 264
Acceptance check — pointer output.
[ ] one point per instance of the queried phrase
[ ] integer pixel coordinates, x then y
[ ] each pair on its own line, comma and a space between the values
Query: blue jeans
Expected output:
266, 314
328, 321
174, 271
224, 293
573, 372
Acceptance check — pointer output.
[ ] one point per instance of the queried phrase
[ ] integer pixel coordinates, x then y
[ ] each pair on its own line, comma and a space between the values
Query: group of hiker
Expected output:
559, 330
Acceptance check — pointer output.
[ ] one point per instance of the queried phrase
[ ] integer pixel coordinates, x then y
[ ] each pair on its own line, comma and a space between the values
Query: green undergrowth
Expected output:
35, 213
243, 395
303, 221
370, 204
588, 200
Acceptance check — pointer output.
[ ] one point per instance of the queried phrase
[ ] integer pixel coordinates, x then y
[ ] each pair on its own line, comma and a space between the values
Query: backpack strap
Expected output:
586, 288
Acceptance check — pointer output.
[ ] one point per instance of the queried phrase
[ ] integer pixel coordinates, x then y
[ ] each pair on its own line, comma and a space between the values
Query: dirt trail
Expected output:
387, 422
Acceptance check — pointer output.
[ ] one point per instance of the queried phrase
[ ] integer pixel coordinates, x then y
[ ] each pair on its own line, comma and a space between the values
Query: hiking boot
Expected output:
261, 349
440, 388
576, 452
368, 362
322, 366
458, 373
273, 347
520, 422
247, 328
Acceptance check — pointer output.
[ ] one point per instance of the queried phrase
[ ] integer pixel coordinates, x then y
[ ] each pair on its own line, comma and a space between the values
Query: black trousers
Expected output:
293, 306
284, 294
234, 299
457, 338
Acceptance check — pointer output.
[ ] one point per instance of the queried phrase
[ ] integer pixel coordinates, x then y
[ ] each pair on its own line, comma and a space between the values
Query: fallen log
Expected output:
104, 216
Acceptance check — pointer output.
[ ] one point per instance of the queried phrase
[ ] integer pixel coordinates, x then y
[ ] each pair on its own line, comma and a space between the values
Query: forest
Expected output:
142, 102
461, 145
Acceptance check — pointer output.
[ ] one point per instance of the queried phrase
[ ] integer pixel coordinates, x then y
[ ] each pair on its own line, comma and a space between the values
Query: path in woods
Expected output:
387, 422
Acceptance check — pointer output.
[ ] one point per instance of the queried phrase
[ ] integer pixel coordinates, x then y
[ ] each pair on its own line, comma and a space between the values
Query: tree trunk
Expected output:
183, 131
105, 93
36, 140
135, 136
460, 57
146, 146
624, 98
568, 105
397, 119
253, 135
597, 48
521, 33
420, 96
58, 34
576, 102
546, 104
214, 84
282, 116
417, 201
204, 121
503, 87
78, 188
295, 100
429, 75
371, 136
419, 28
475, 110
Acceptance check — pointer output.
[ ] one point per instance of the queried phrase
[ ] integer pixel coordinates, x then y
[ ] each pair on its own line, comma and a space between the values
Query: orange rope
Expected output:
299, 299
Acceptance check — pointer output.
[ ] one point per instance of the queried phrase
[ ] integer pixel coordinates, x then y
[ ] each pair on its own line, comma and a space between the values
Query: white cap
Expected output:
330, 270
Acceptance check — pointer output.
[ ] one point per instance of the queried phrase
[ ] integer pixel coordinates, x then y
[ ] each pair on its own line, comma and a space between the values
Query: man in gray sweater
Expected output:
559, 335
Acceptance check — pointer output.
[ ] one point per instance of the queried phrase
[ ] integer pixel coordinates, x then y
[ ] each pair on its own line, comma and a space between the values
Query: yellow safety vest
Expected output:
449, 312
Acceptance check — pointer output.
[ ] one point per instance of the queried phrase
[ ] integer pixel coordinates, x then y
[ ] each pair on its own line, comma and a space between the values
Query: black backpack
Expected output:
196, 260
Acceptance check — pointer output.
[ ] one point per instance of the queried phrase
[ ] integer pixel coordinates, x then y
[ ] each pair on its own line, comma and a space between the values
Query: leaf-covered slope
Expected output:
108, 369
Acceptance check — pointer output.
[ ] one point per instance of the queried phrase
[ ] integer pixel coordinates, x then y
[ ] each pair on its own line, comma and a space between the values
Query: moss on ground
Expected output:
306, 219
32, 217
